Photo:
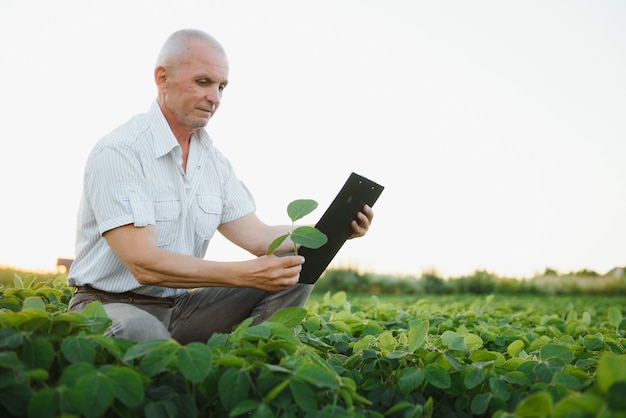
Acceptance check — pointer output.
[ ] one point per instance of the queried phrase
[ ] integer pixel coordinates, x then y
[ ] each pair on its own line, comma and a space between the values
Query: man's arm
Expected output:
137, 249
253, 235
150, 265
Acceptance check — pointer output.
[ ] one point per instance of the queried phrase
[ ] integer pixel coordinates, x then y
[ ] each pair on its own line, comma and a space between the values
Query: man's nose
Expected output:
214, 96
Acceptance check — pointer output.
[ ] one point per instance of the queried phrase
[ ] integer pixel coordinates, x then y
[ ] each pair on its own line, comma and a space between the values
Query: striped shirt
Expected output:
134, 175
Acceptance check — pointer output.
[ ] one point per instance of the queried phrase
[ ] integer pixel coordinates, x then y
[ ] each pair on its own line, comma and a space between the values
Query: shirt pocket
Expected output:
167, 216
208, 215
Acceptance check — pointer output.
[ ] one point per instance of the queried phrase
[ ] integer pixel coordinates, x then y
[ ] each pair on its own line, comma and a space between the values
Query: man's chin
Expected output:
200, 123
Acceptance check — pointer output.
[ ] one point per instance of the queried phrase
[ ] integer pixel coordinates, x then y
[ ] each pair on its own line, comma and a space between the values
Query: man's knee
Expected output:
132, 323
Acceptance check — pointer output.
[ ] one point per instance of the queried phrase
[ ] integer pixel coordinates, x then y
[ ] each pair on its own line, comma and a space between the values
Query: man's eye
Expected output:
203, 82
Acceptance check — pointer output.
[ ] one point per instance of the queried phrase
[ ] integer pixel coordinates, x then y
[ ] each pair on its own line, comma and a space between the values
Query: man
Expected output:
155, 190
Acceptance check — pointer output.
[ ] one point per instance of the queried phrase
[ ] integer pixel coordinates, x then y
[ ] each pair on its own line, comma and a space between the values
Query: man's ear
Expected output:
160, 76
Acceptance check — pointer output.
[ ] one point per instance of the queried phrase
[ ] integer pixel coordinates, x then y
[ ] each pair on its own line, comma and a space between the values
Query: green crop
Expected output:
306, 236
340, 356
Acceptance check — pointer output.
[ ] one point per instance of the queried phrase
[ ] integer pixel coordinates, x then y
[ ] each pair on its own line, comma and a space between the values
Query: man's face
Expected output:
192, 91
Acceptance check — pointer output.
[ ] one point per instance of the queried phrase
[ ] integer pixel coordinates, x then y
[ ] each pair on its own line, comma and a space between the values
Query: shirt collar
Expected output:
164, 139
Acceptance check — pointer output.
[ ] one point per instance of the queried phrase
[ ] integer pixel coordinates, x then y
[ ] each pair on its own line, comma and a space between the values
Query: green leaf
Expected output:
515, 348
418, 334
473, 341
17, 282
115, 347
233, 388
34, 302
231, 361
127, 385
10, 338
578, 405
611, 369
409, 379
98, 390
38, 353
615, 317
303, 394
561, 352
74, 402
499, 389
79, 348
194, 361
11, 303
289, 317
73, 372
483, 356
364, 343
161, 409
537, 405
437, 376
298, 209
276, 390
338, 299
44, 404
37, 374
453, 341
387, 341
593, 342
94, 310
28, 320
99, 320
399, 407
263, 411
308, 236
155, 355
158, 360
474, 378
243, 408
15, 397
318, 376
256, 332
615, 396
567, 380
480, 403
143, 348
517, 378
275, 244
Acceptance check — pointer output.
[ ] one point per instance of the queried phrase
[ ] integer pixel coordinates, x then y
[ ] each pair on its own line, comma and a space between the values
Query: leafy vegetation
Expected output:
306, 236
481, 282
388, 356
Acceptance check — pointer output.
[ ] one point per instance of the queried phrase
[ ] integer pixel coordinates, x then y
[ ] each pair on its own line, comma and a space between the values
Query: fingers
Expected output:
361, 224
278, 273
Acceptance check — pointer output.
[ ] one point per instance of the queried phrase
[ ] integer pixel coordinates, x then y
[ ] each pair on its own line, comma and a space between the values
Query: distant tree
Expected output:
550, 272
585, 273
433, 284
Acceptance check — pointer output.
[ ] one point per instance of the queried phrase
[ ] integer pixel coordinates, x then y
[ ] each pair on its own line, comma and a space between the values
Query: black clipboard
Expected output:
335, 223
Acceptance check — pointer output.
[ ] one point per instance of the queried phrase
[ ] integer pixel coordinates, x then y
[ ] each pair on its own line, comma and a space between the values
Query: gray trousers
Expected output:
194, 316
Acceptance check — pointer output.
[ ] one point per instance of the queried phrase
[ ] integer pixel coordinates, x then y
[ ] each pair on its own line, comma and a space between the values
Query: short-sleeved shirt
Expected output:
134, 175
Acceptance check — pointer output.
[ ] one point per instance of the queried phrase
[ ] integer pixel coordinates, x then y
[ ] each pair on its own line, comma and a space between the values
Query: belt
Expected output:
125, 297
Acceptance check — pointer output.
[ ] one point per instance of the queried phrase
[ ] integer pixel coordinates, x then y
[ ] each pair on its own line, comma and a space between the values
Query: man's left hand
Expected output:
362, 223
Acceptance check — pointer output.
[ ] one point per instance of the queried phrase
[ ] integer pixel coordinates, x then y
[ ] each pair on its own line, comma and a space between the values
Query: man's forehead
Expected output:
208, 63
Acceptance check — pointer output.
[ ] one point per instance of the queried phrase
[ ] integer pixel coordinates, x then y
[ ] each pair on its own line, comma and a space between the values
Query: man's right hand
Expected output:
272, 273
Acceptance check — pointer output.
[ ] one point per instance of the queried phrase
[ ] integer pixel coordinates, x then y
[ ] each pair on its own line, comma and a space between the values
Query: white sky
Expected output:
497, 127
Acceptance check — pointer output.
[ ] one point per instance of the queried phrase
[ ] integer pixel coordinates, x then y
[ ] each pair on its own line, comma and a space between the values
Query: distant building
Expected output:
63, 264
616, 272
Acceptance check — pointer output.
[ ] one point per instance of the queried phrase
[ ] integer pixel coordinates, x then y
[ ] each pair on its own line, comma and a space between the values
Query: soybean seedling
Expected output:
305, 236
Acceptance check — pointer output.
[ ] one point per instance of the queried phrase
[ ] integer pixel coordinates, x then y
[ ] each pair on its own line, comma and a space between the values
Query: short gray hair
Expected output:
177, 44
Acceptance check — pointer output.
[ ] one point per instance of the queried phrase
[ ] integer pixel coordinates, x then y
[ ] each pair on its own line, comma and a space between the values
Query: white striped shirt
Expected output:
134, 176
